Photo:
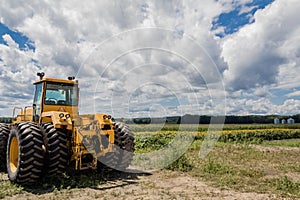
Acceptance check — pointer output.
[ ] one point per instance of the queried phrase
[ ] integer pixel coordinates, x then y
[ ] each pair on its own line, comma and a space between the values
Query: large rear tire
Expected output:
25, 155
124, 145
125, 140
4, 132
56, 150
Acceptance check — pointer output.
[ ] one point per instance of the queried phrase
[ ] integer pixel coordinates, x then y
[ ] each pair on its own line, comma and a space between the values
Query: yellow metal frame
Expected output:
23, 115
92, 125
58, 122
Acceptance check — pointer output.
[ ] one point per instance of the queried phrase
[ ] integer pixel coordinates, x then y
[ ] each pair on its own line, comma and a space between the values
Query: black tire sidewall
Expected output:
61, 161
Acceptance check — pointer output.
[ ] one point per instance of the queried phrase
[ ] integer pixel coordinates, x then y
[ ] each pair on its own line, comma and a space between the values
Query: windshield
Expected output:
61, 94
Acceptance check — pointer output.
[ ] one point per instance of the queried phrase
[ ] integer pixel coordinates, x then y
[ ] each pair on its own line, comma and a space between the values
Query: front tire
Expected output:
25, 155
56, 150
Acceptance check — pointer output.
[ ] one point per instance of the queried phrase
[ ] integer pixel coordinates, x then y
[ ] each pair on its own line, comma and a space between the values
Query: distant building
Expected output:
291, 121
283, 121
276, 121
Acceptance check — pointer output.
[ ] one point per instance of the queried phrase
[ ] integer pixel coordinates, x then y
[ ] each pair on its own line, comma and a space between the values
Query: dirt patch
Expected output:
159, 185
274, 148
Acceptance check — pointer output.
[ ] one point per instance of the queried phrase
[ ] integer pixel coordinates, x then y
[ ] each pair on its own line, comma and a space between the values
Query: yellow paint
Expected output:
13, 154
58, 122
23, 114
57, 81
72, 110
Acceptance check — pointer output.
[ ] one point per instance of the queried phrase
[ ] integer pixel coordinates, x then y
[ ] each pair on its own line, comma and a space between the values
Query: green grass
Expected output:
62, 186
287, 186
283, 143
204, 127
215, 167
182, 164
243, 168
8, 189
238, 165
151, 142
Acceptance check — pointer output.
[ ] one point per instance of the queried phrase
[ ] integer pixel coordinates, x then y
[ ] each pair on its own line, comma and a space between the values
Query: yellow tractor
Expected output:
47, 137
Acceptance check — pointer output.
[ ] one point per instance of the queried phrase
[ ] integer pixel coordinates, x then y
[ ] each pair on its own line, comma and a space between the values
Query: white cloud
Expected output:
257, 52
10, 42
125, 64
289, 107
262, 92
15, 78
294, 94
67, 35
247, 9
262, 106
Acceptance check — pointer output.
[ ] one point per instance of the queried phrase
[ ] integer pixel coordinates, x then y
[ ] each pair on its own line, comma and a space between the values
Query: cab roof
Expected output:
54, 80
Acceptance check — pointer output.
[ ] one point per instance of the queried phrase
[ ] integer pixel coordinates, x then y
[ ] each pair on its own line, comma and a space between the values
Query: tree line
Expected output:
5, 120
205, 119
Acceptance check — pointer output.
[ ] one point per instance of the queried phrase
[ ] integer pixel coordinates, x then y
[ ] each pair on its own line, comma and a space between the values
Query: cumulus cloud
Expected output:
262, 106
15, 78
69, 38
152, 58
256, 53
264, 56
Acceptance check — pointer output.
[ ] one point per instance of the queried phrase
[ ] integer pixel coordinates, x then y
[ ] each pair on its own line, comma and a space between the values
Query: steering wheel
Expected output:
52, 99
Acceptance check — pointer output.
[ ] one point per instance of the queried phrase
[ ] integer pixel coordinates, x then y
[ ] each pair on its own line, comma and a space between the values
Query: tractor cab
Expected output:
54, 95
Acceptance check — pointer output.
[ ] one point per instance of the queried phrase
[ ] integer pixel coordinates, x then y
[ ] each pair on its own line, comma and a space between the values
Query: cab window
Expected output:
61, 94
37, 100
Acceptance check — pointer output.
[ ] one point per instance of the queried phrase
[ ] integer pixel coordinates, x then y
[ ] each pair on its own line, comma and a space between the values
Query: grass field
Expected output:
247, 158
249, 161
204, 127
251, 168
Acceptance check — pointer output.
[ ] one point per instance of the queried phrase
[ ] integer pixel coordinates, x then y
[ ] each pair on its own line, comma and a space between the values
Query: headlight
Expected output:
68, 116
61, 115
104, 117
109, 117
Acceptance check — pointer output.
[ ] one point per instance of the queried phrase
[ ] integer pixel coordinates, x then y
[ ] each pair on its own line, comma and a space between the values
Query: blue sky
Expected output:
247, 51
234, 19
23, 41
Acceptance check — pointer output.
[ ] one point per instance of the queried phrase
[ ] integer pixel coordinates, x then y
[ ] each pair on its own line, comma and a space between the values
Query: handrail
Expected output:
13, 117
